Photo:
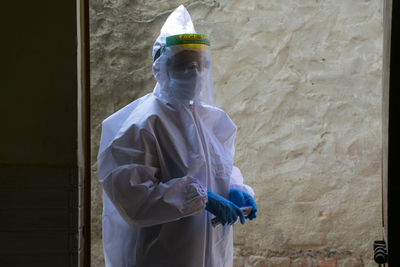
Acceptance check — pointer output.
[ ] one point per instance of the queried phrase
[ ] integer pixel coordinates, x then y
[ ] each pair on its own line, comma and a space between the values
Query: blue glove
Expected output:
242, 199
225, 211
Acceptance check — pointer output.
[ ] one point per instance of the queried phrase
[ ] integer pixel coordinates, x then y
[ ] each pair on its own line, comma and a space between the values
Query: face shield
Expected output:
183, 69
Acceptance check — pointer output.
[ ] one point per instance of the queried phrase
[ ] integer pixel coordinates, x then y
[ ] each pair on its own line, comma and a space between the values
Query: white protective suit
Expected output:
158, 157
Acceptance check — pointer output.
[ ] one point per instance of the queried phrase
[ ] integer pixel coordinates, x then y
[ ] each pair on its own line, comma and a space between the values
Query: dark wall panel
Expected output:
38, 211
38, 134
38, 84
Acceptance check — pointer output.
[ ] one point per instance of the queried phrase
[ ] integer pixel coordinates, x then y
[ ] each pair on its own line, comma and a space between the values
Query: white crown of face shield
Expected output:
178, 22
182, 69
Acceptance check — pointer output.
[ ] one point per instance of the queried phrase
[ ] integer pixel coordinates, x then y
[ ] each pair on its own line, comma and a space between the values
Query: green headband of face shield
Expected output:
194, 40
191, 41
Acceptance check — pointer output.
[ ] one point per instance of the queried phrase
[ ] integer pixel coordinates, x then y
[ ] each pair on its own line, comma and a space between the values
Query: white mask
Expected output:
186, 85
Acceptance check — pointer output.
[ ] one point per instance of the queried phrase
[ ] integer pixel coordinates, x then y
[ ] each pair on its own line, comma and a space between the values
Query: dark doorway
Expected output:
43, 105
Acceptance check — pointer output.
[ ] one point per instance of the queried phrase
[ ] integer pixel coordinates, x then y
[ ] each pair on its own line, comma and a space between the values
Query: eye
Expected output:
181, 66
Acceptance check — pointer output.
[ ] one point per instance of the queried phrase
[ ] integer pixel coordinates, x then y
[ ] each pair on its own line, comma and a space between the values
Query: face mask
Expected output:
186, 85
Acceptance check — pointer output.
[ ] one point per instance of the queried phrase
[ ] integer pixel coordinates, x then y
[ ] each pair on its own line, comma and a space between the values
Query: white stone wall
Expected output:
302, 81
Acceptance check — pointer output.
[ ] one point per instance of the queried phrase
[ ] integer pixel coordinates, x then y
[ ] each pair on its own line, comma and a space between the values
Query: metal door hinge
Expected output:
380, 252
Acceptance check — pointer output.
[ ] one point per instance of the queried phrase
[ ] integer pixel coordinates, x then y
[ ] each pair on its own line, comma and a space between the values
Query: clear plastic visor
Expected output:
186, 72
182, 60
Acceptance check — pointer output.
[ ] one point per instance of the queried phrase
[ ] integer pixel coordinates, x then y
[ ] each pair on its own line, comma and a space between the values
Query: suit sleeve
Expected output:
237, 182
225, 129
129, 172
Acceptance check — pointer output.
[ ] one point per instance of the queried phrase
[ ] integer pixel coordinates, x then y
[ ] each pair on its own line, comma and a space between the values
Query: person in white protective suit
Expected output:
166, 164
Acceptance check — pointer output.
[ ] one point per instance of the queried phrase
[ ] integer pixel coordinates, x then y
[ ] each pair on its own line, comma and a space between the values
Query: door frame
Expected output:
83, 75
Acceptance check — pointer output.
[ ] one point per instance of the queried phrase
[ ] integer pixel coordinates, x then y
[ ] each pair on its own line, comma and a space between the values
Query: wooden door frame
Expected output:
392, 184
83, 62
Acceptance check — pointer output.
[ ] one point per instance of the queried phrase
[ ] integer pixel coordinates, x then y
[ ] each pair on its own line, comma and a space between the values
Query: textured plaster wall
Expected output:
302, 81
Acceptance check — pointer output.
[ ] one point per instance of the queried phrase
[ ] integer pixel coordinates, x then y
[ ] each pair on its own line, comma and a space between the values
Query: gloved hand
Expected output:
225, 211
242, 199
